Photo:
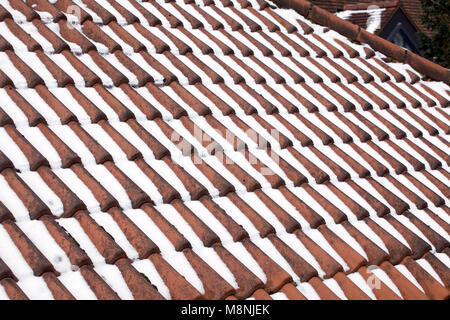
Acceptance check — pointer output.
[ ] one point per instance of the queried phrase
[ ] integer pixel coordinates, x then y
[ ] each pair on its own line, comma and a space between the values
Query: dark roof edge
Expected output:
354, 32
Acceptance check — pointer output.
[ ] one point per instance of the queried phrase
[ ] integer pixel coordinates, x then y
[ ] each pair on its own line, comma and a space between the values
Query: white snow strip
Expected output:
210, 256
182, 79
172, 215
320, 240
334, 286
74, 228
380, 274
148, 269
136, 34
38, 234
11, 71
9, 36
443, 258
208, 218
11, 255
40, 105
43, 191
390, 229
77, 286
69, 137
46, 17
361, 283
127, 5
279, 296
428, 268
109, 182
35, 288
87, 60
144, 93
95, 18
11, 200
153, 128
136, 175
40, 142
141, 62
61, 61
126, 48
34, 33
405, 272
130, 135
17, 16
98, 101
227, 60
412, 227
71, 180
109, 7
240, 253
3, 295
105, 140
197, 70
13, 111
107, 222
281, 201
266, 246
127, 102
166, 173
113, 277
112, 59
182, 265
308, 291
190, 168
64, 95
141, 219
369, 233
297, 246
74, 47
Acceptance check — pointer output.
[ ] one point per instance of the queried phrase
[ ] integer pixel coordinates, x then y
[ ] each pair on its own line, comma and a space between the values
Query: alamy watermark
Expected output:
212, 147
73, 16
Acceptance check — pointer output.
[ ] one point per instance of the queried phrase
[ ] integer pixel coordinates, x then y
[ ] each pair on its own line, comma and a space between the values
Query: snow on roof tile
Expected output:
219, 150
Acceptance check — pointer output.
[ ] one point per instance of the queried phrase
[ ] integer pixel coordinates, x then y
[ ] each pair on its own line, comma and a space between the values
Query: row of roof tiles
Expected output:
138, 251
119, 48
362, 106
210, 137
408, 190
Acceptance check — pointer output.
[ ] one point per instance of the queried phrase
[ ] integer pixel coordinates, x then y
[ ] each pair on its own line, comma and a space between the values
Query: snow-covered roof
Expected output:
218, 149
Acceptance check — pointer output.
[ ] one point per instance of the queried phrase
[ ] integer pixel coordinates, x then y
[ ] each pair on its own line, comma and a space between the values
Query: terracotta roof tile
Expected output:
101, 289
5, 272
103, 242
13, 290
4, 13
351, 291
58, 290
35, 259
322, 290
77, 255
407, 289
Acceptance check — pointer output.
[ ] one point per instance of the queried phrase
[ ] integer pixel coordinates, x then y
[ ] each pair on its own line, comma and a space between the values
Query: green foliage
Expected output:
436, 47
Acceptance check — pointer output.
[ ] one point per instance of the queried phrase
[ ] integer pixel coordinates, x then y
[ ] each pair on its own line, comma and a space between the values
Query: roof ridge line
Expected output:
365, 6
354, 32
